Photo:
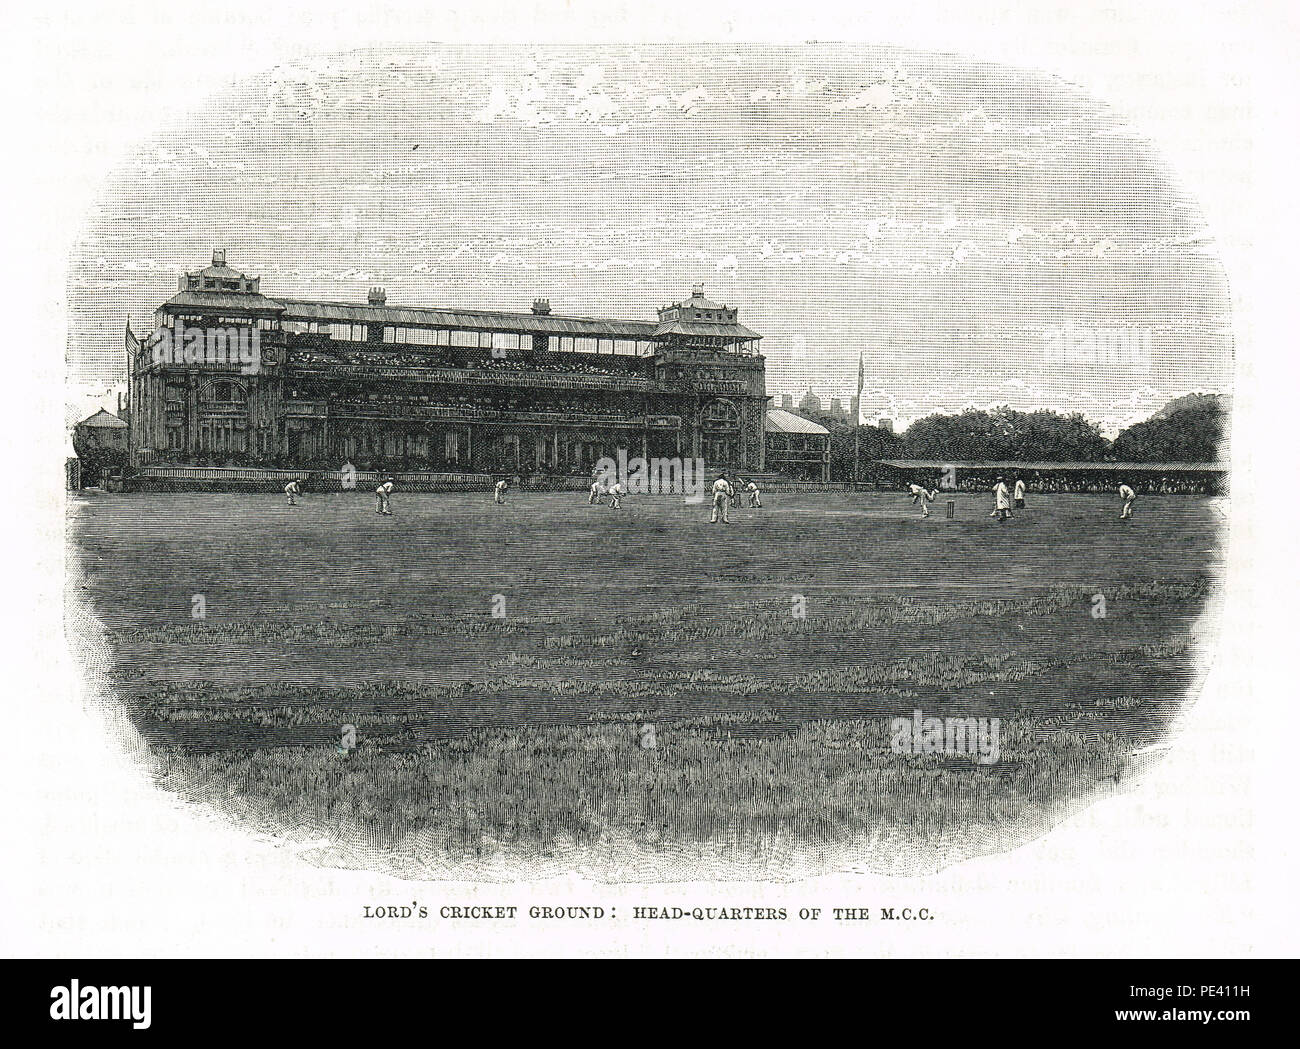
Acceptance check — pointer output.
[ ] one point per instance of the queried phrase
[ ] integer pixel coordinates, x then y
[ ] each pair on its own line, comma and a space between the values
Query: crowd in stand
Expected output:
579, 367
446, 359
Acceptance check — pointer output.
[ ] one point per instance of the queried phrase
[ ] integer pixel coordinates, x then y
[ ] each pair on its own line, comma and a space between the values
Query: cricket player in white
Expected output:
1019, 494
293, 489
927, 497
381, 497
754, 500
616, 493
918, 494
1128, 495
1001, 500
722, 496
597, 490
501, 487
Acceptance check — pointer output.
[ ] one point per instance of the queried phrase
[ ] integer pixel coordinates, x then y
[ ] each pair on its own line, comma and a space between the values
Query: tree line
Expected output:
1191, 429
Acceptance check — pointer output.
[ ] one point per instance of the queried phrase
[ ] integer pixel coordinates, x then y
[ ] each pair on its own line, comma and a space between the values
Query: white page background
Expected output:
1200, 860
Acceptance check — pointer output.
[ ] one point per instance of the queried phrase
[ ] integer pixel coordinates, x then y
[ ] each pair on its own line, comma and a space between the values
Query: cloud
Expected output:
524, 107
498, 105
590, 104
963, 252
517, 261
689, 102
877, 96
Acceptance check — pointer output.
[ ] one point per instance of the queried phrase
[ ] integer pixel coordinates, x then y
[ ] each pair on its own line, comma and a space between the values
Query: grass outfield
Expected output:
514, 735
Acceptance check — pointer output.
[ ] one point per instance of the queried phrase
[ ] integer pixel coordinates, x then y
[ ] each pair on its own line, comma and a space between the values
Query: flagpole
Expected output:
857, 424
130, 402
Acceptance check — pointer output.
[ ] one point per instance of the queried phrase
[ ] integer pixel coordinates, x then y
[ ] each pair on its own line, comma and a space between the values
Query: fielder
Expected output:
293, 489
1019, 494
500, 491
723, 493
1001, 500
598, 491
616, 493
1128, 495
381, 497
754, 500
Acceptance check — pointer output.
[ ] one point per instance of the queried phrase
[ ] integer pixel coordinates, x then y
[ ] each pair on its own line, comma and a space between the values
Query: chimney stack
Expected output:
541, 306
218, 256
377, 297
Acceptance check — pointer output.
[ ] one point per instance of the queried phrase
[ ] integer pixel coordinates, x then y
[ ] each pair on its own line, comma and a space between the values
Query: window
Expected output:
218, 435
224, 392
348, 332
465, 338
720, 415
416, 336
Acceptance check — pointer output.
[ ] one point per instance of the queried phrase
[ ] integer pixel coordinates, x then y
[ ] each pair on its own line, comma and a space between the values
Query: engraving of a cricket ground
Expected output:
659, 463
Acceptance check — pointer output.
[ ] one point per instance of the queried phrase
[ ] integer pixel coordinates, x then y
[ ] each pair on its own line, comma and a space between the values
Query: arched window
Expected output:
225, 393
720, 415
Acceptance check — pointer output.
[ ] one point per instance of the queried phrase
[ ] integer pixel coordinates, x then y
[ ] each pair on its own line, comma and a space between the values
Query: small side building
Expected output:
100, 442
797, 447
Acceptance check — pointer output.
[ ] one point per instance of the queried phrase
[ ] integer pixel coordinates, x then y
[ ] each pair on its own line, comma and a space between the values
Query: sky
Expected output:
980, 235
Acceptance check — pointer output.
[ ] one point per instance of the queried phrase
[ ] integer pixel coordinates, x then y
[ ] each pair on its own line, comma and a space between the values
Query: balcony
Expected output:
471, 413
509, 377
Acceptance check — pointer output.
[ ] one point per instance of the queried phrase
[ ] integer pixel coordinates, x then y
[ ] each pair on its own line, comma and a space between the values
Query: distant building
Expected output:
811, 403
798, 447
886, 424
101, 431
100, 442
787, 401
